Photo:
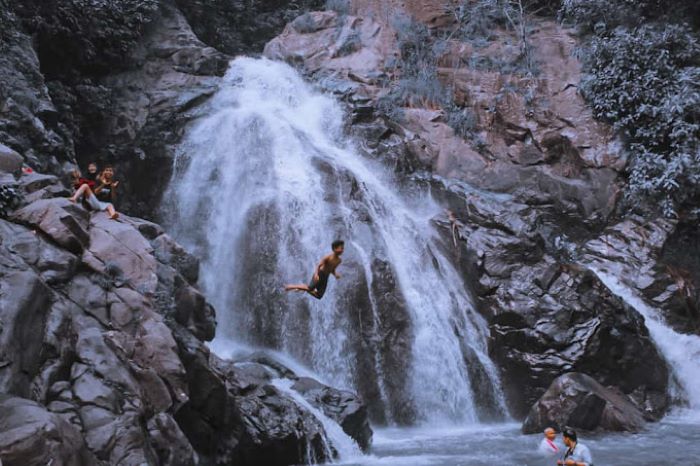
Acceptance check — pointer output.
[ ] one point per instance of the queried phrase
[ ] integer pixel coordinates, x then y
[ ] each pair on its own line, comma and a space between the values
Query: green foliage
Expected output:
606, 15
9, 199
462, 120
646, 81
478, 21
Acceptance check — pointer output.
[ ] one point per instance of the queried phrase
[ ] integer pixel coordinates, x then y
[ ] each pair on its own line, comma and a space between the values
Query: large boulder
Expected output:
63, 221
578, 401
30, 434
109, 340
342, 406
10, 161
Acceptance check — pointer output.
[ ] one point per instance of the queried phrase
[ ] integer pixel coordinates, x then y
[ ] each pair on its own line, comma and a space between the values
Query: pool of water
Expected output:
674, 441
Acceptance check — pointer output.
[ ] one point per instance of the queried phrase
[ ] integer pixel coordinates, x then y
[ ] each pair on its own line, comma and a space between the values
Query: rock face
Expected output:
547, 313
102, 355
33, 435
540, 144
658, 259
116, 82
578, 401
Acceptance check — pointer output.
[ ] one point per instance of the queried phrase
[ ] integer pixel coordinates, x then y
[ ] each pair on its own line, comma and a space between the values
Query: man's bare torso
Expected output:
330, 263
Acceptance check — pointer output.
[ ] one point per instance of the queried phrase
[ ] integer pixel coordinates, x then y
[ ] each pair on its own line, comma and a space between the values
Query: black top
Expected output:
105, 194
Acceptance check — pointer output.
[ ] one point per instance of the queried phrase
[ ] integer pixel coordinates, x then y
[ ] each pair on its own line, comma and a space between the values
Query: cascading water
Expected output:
681, 351
263, 184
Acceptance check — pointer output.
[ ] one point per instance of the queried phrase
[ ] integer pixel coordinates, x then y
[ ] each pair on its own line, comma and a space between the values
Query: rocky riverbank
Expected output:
103, 354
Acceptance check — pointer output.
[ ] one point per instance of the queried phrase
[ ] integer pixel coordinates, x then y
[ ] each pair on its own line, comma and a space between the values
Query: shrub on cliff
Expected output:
646, 81
642, 65
9, 199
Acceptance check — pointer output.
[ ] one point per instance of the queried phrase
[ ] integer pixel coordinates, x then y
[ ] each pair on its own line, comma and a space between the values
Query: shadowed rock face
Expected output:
59, 443
102, 355
578, 401
120, 87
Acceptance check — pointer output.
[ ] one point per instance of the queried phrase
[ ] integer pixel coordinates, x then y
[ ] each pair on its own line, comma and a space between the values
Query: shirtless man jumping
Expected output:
326, 267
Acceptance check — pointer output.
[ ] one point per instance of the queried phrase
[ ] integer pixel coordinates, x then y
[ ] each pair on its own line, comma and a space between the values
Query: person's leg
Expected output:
80, 192
296, 288
111, 212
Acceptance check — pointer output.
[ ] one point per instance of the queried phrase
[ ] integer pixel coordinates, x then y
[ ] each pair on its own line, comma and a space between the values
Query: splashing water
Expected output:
263, 184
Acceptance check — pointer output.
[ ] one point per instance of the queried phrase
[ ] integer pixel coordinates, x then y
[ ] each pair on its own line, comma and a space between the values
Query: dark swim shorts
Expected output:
320, 285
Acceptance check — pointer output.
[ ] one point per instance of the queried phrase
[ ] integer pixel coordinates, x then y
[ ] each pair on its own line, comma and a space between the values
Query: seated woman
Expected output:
86, 193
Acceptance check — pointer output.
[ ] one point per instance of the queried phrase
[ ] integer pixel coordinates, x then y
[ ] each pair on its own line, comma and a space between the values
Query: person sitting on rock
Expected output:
90, 179
106, 190
548, 447
85, 193
577, 454
324, 269
92, 172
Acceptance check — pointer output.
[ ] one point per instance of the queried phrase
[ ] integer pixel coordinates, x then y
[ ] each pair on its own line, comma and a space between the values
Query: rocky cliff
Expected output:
103, 354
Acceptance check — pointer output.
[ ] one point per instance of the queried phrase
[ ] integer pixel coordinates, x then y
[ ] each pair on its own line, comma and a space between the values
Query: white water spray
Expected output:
263, 184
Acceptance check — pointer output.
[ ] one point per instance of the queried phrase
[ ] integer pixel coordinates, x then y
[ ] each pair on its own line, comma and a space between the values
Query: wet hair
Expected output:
570, 433
337, 243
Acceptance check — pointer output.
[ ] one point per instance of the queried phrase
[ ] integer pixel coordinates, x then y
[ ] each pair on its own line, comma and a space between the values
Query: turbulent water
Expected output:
671, 442
262, 186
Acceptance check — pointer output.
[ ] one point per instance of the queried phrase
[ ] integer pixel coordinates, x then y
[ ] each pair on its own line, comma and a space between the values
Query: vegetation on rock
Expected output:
643, 76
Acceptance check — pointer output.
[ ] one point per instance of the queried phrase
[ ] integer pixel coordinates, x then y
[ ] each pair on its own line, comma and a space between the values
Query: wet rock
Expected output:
61, 220
29, 434
24, 301
547, 315
233, 26
10, 161
342, 406
578, 401
170, 444
646, 256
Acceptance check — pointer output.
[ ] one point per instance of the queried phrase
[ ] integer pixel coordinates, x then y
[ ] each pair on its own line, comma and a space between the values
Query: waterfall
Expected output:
263, 183
681, 351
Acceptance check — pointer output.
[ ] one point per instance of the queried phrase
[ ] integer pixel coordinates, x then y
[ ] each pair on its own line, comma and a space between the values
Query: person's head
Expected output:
108, 172
550, 433
569, 436
338, 246
92, 168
